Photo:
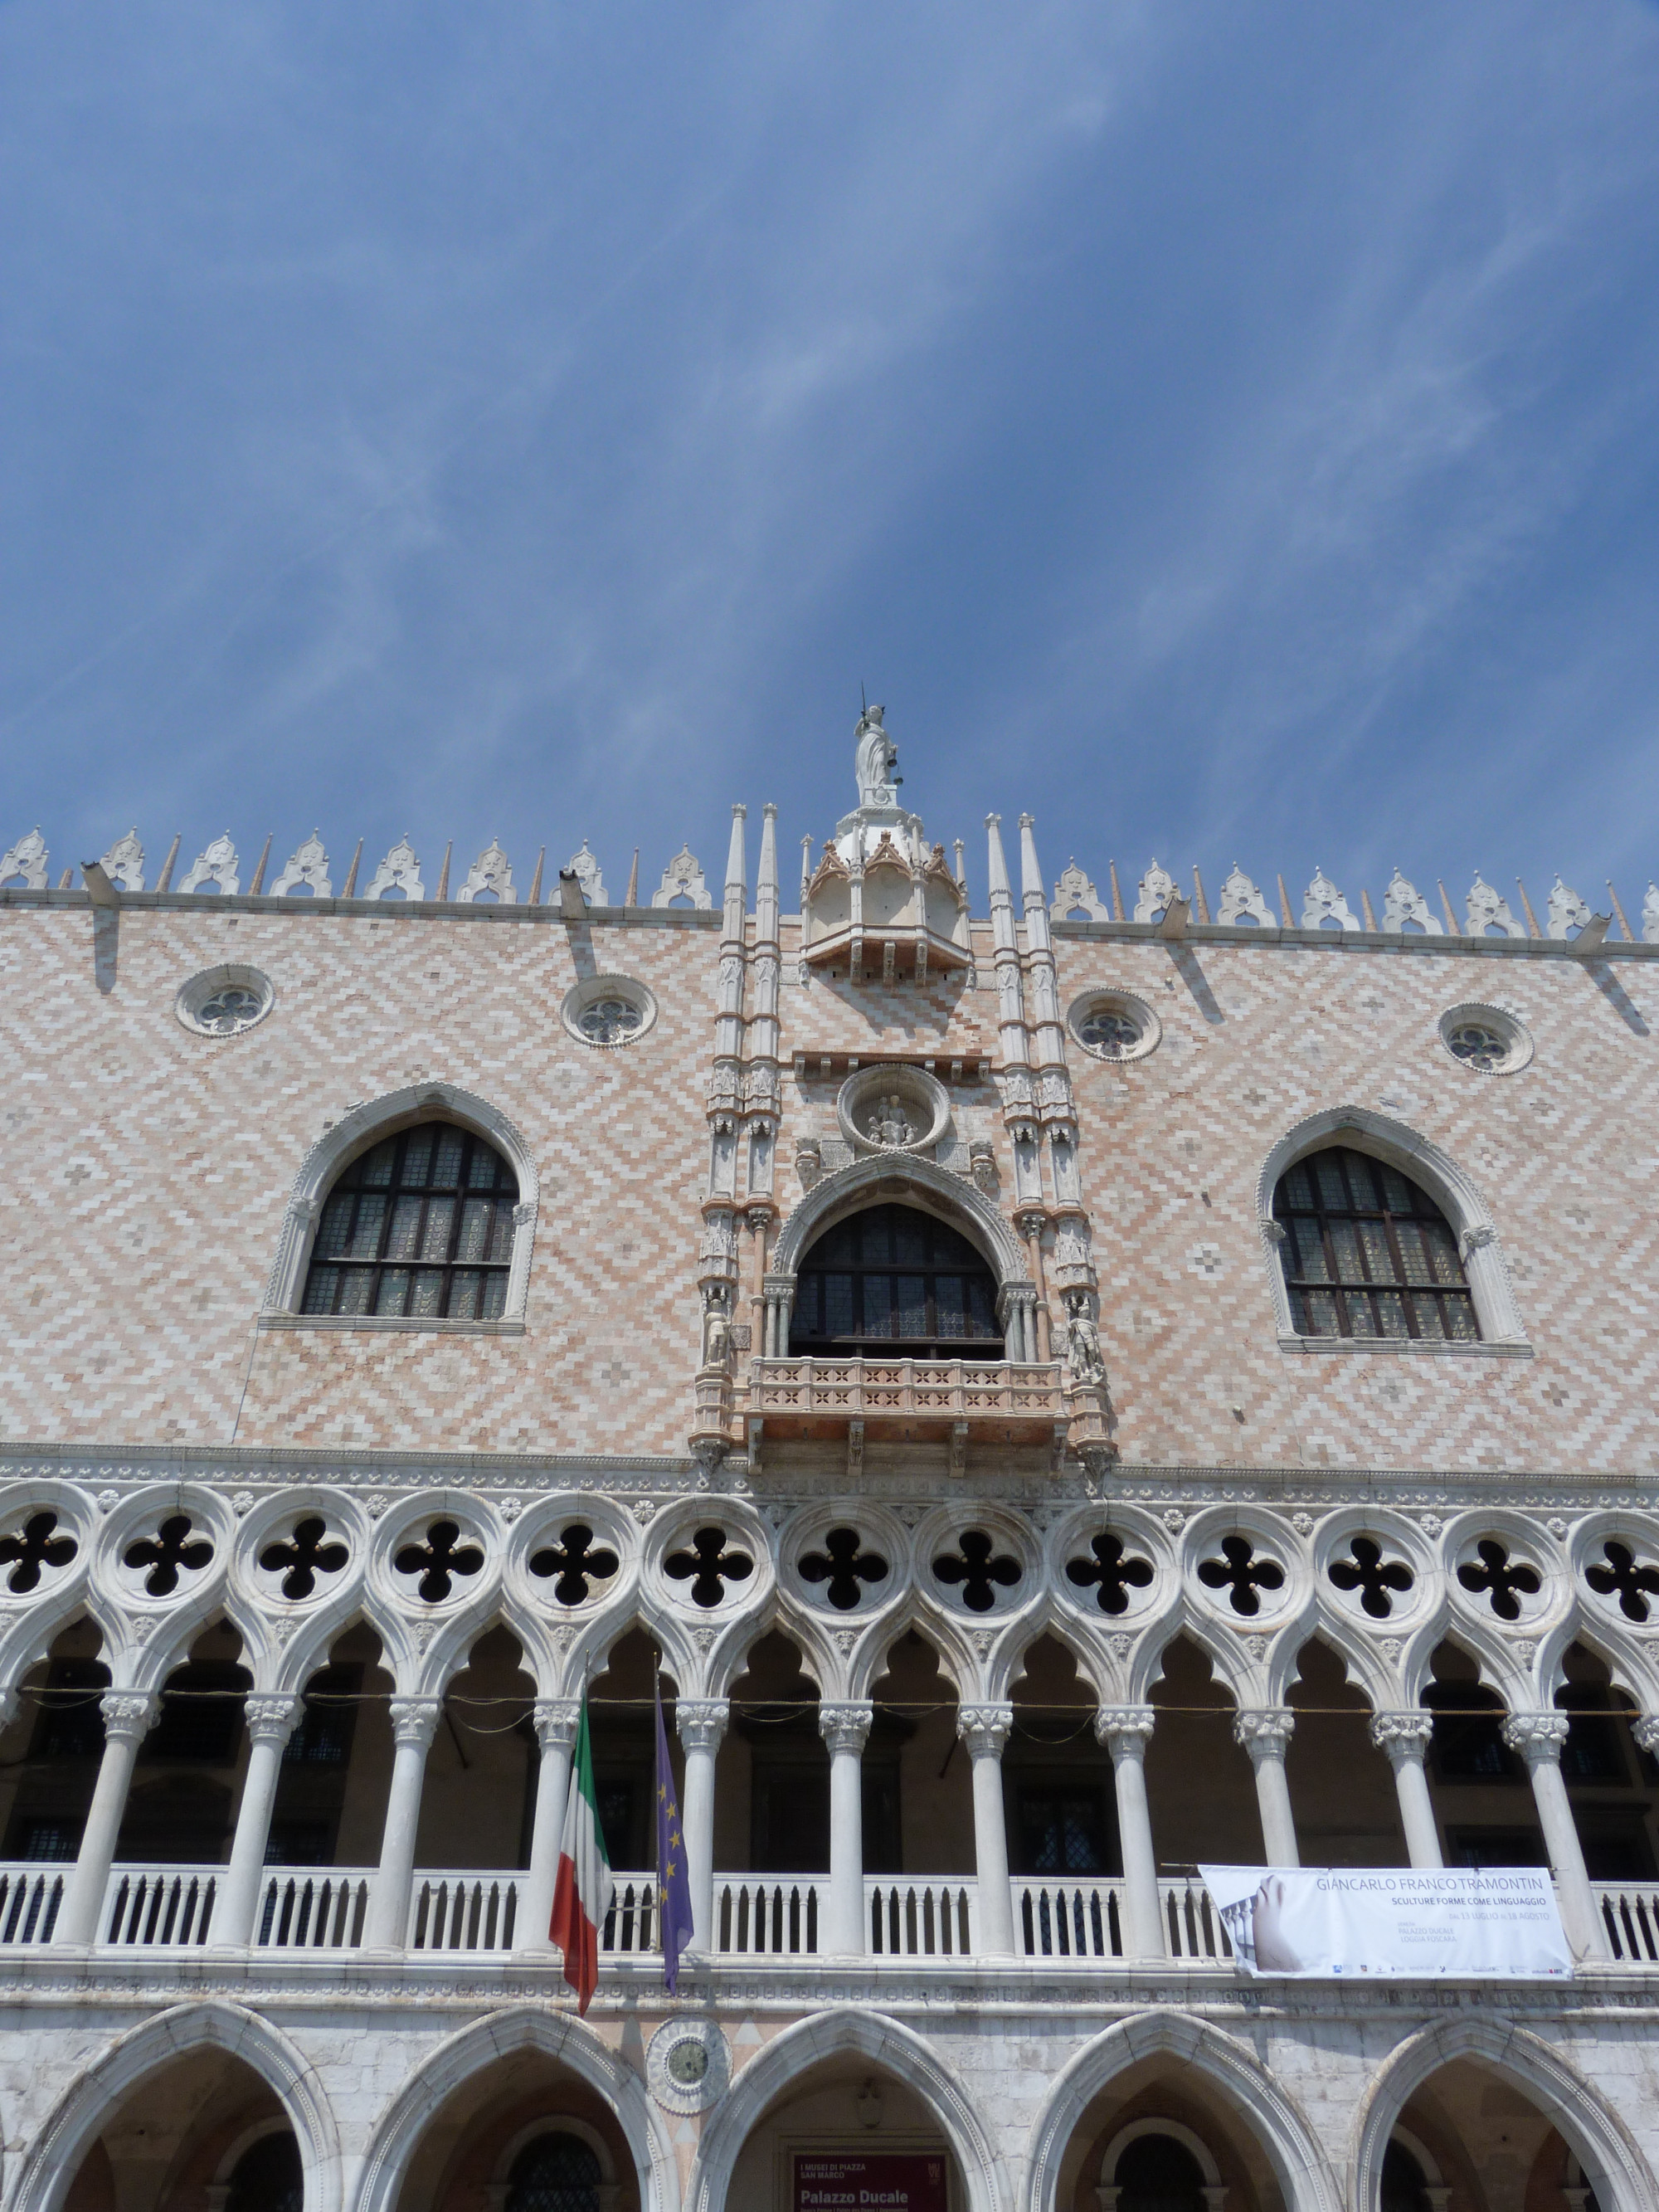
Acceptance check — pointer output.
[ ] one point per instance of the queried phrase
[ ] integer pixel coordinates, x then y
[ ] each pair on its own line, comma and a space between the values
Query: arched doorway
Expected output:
1156, 2172
205, 2129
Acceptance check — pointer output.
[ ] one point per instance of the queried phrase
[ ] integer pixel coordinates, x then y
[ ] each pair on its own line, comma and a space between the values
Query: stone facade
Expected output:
1162, 1576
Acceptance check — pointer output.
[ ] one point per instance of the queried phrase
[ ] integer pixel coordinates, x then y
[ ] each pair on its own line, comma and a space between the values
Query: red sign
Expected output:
851, 2181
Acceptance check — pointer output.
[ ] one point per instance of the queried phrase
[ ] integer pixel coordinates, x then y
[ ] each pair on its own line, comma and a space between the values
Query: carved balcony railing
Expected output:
311, 1911
908, 1400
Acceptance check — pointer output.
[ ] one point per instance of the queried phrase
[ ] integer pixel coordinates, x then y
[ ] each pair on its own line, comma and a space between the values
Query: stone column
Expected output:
1126, 1731
414, 1723
1538, 1738
984, 1730
702, 1725
129, 1715
1404, 1738
270, 1723
844, 1729
1030, 1222
556, 1720
1265, 1731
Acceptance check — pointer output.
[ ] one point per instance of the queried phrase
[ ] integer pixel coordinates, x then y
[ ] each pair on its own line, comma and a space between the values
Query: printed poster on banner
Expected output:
1496, 1922
856, 2181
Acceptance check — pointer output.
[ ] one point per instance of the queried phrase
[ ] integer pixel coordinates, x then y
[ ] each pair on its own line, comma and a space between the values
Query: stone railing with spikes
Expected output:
1244, 905
308, 874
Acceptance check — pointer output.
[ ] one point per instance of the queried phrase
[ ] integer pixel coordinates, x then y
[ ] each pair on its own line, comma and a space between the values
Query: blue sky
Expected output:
1228, 433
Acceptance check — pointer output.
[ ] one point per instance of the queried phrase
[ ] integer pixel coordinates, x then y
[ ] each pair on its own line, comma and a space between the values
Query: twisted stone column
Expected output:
414, 1723
1404, 1739
1539, 1739
1265, 1731
701, 1722
984, 1730
129, 1715
844, 1729
270, 1722
1126, 1731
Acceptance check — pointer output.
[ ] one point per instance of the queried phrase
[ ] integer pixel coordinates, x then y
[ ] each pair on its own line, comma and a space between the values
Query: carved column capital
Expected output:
845, 1726
1031, 1221
1646, 1732
985, 1729
701, 1722
1124, 1731
1402, 1737
129, 1715
1538, 1737
415, 1720
557, 1722
1264, 1730
270, 1717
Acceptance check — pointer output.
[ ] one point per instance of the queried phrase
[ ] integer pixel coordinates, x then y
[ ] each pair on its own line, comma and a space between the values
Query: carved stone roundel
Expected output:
687, 2064
225, 1002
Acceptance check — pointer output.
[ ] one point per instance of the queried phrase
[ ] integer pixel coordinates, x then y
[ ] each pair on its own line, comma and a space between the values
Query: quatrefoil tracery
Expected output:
1505, 1581
1375, 1577
444, 1554
575, 1559
34, 1546
1240, 1573
1114, 1569
171, 1548
978, 1569
842, 1566
1621, 1576
708, 1566
307, 1553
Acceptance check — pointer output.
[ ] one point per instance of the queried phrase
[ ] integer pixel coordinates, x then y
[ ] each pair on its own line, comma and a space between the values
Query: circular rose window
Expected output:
224, 1002
608, 1011
1115, 1025
1487, 1040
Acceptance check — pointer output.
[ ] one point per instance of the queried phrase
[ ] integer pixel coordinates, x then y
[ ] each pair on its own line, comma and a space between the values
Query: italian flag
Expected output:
581, 1895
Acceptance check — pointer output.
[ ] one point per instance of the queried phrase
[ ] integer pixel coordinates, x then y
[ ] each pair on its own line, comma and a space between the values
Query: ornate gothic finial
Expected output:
586, 870
1485, 909
1240, 898
490, 872
309, 867
1075, 889
1322, 902
684, 878
124, 863
1567, 911
1403, 902
218, 866
399, 870
27, 859
631, 897
875, 757
1156, 890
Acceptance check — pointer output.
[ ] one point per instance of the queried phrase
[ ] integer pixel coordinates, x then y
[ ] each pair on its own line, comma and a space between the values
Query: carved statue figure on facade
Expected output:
874, 761
716, 1327
889, 1124
1083, 1353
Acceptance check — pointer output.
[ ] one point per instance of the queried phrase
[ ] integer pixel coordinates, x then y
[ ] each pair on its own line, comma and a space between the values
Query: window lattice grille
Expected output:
419, 1228
1367, 1254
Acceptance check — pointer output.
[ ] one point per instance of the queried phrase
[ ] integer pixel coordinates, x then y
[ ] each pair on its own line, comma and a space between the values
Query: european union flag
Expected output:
673, 1878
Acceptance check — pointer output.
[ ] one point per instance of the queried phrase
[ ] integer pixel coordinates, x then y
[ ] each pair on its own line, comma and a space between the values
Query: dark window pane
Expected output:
1357, 1221
394, 1205
838, 1312
911, 1306
914, 1282
393, 1293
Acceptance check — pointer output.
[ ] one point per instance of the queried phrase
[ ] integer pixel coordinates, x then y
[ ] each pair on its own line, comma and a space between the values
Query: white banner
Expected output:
1390, 1920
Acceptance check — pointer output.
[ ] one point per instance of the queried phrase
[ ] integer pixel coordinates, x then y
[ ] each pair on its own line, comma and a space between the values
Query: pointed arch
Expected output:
558, 2036
904, 1179
1453, 1190
1047, 1617
936, 1627
366, 1125
1613, 2164
1303, 2171
845, 2031
54, 2157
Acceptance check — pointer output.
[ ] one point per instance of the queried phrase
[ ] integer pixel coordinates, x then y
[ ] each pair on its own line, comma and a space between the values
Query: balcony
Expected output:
310, 1912
962, 1401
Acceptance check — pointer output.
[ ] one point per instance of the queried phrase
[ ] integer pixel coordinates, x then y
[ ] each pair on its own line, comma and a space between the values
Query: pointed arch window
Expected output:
420, 1227
894, 1283
1369, 1253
